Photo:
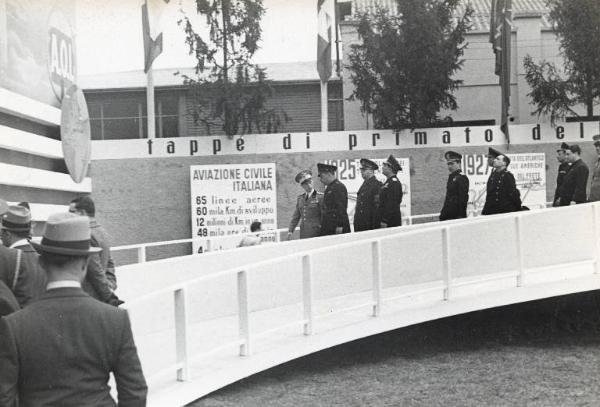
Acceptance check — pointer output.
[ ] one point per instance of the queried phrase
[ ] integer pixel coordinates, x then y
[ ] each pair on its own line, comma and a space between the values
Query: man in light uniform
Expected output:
308, 208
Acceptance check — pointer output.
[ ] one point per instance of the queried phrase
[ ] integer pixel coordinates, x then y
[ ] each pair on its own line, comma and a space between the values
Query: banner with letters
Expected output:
529, 170
227, 198
349, 174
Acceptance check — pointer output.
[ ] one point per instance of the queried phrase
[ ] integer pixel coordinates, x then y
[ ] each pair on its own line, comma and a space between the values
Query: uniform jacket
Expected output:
8, 266
563, 168
595, 188
502, 194
574, 185
8, 302
308, 214
33, 276
334, 211
366, 212
60, 350
389, 202
457, 197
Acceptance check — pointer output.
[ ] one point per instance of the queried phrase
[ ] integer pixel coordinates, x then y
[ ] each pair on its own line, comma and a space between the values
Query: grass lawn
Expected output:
543, 353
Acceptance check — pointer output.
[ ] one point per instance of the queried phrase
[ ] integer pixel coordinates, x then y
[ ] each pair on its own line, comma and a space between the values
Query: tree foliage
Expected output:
230, 92
403, 68
556, 93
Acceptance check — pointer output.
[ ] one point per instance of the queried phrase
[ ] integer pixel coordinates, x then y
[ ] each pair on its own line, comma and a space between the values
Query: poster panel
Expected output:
226, 199
349, 174
529, 170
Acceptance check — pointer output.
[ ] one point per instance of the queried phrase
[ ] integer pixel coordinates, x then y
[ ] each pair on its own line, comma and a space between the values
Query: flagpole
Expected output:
150, 103
324, 112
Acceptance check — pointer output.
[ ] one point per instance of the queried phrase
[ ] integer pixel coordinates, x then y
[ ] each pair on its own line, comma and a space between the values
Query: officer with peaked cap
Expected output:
61, 349
308, 208
8, 302
491, 155
334, 218
457, 189
367, 198
563, 167
15, 234
595, 186
502, 195
391, 195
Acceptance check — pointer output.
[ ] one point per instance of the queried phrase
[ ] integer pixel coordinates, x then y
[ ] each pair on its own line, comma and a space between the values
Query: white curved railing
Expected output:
380, 267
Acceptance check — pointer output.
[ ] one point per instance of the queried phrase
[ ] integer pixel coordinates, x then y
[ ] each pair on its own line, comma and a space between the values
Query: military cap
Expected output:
596, 139
17, 219
564, 146
493, 152
452, 156
393, 163
303, 176
322, 167
365, 163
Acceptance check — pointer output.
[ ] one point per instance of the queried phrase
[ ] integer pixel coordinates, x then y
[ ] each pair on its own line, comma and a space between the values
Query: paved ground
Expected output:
544, 353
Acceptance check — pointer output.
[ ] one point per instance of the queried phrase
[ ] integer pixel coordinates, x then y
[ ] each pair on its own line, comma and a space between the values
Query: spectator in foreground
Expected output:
253, 238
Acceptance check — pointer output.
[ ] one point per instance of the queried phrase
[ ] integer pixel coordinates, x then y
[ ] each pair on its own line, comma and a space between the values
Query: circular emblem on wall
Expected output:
61, 53
75, 133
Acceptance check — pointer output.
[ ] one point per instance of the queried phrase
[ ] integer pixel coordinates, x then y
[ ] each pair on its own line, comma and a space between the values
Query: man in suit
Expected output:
573, 188
308, 208
11, 267
563, 168
502, 194
457, 189
391, 195
367, 199
595, 187
60, 350
98, 281
15, 234
334, 218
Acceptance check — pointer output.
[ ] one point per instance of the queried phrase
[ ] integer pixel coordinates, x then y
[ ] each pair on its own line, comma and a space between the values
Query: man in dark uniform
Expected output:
391, 195
563, 168
502, 193
457, 189
334, 215
574, 185
308, 208
367, 198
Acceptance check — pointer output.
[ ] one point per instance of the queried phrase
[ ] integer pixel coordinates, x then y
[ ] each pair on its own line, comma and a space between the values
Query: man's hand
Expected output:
289, 236
338, 230
383, 225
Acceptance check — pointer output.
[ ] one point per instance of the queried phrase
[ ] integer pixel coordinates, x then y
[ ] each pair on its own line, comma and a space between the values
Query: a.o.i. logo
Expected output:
61, 56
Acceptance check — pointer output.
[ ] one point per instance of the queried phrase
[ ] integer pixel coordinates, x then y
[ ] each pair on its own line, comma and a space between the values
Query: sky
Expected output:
109, 34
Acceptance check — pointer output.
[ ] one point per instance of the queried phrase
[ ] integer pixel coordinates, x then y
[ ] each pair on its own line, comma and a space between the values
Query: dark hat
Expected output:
322, 167
66, 233
393, 163
563, 146
452, 156
303, 176
16, 219
507, 159
365, 163
493, 152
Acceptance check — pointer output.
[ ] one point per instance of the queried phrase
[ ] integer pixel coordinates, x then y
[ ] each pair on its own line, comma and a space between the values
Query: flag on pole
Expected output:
500, 31
324, 40
152, 11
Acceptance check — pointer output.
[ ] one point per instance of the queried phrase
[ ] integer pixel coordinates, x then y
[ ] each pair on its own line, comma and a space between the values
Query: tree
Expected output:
402, 71
229, 91
557, 93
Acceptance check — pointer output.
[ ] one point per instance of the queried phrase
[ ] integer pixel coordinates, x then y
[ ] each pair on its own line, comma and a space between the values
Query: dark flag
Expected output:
500, 37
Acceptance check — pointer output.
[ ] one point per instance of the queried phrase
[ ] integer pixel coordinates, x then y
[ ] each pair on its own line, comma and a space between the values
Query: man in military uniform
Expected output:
308, 208
595, 187
334, 215
367, 199
391, 195
502, 193
563, 168
574, 185
457, 189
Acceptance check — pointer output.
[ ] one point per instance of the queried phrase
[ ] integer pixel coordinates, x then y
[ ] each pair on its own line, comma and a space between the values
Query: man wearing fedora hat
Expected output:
60, 350
563, 167
308, 208
334, 215
502, 195
457, 189
391, 195
15, 233
595, 187
366, 210
12, 267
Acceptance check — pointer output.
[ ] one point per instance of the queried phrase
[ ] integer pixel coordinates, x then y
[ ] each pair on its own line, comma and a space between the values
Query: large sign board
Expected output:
227, 198
529, 170
37, 48
349, 174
